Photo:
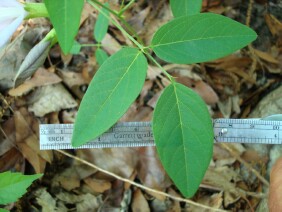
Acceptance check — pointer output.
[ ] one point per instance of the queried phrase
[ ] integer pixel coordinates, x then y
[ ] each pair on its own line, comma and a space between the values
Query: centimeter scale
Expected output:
137, 134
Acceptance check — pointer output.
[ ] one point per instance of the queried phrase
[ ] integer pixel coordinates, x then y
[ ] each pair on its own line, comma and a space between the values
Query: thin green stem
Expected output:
125, 8
116, 24
35, 10
91, 45
51, 36
122, 4
159, 65
128, 27
142, 48
102, 5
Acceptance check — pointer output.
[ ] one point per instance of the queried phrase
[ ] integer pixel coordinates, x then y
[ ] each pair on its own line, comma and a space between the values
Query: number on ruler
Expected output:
276, 127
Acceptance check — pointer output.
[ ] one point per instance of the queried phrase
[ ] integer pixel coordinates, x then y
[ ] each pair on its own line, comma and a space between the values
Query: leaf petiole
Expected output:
142, 48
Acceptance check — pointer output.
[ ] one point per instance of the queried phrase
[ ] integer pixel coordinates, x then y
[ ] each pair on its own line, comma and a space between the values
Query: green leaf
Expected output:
183, 133
76, 47
113, 89
14, 185
200, 38
101, 56
102, 24
3, 210
65, 17
185, 7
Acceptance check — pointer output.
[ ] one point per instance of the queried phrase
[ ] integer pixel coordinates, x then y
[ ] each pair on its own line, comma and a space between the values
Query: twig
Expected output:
249, 12
137, 184
255, 172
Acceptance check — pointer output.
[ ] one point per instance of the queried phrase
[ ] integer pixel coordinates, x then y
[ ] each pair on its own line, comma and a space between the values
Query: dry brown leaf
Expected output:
235, 65
121, 161
139, 203
215, 201
137, 21
186, 77
9, 64
151, 172
50, 98
12, 159
153, 101
265, 56
274, 25
230, 105
28, 142
7, 141
224, 179
98, 186
72, 78
137, 114
110, 44
46, 201
175, 205
41, 77
222, 157
68, 179
145, 90
33, 142
34, 159
82, 202
153, 72
156, 18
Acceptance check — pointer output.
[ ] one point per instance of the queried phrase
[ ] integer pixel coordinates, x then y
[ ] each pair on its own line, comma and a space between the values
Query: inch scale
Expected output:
137, 134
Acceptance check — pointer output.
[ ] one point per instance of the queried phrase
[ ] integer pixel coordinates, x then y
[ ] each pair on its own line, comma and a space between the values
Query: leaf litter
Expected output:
231, 86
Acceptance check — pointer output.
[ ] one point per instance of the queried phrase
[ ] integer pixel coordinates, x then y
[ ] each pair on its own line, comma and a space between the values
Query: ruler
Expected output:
137, 134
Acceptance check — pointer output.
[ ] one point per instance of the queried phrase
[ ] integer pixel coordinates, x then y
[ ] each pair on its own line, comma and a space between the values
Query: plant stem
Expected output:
125, 8
51, 36
142, 48
35, 10
115, 23
128, 27
159, 65
91, 45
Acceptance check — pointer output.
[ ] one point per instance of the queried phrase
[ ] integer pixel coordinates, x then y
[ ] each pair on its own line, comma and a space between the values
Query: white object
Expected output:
12, 14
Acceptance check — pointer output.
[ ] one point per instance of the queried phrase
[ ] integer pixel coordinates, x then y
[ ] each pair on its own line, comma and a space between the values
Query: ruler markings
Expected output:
136, 134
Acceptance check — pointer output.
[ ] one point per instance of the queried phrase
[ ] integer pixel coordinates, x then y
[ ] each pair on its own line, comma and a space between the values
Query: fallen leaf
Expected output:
72, 78
199, 86
46, 201
215, 201
120, 161
68, 179
110, 44
151, 172
27, 140
139, 203
224, 179
98, 186
265, 56
9, 64
82, 202
274, 25
50, 98
41, 77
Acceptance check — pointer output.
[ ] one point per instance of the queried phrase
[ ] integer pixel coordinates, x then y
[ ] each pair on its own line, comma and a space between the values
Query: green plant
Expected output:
14, 185
182, 125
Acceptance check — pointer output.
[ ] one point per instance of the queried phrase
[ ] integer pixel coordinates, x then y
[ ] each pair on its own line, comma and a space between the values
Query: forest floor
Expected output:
245, 84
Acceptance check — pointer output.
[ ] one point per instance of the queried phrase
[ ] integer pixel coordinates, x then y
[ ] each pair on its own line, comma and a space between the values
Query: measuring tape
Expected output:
137, 134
